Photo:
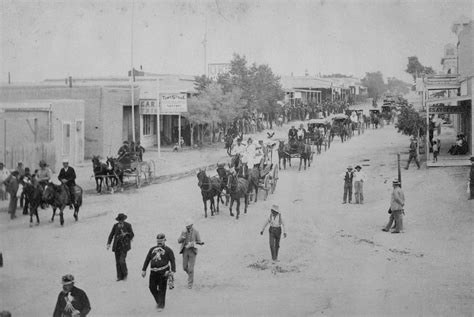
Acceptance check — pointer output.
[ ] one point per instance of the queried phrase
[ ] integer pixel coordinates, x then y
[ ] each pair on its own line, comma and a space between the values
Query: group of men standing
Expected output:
353, 179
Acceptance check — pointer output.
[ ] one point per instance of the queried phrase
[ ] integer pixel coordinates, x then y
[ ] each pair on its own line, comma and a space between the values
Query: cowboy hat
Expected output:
67, 279
349, 167
396, 182
65, 160
121, 217
358, 167
275, 208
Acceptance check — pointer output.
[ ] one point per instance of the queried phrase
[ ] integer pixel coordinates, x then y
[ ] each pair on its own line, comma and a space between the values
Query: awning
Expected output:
448, 100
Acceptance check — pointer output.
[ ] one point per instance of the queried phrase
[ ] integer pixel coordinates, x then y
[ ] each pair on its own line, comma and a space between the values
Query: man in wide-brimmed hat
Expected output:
72, 301
358, 179
347, 176
122, 234
189, 240
276, 227
43, 175
162, 266
397, 203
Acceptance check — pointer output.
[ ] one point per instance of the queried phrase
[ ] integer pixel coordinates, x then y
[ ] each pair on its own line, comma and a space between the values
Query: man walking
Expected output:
412, 153
162, 266
122, 234
12, 183
348, 176
276, 225
72, 301
189, 238
397, 203
67, 176
358, 178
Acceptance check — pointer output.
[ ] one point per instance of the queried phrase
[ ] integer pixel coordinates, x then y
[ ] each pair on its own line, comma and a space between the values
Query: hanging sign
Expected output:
173, 103
148, 106
447, 109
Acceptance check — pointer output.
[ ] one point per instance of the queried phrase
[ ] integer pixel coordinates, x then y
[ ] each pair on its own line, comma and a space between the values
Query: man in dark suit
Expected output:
122, 234
67, 176
12, 183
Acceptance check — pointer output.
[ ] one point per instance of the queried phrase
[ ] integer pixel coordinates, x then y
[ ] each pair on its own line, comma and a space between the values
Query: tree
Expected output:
201, 83
397, 86
411, 122
375, 84
416, 69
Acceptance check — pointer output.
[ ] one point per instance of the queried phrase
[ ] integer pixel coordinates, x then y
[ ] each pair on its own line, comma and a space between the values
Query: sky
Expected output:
54, 39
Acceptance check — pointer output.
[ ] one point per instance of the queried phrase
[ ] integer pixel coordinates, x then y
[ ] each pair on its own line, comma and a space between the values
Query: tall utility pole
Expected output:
204, 44
132, 75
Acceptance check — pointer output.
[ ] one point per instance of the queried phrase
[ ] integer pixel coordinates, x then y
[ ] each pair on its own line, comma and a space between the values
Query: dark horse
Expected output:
238, 188
224, 177
304, 151
283, 154
240, 168
34, 196
253, 178
210, 187
229, 140
101, 171
116, 171
57, 196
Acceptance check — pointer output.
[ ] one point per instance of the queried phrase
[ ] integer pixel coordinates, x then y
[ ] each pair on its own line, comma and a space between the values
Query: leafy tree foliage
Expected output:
201, 83
411, 122
416, 69
397, 86
375, 84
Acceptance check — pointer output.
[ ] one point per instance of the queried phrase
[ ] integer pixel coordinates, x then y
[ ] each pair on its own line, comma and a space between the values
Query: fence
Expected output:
30, 154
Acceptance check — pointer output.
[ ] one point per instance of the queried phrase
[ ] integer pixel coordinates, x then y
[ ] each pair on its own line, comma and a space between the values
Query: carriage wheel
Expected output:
266, 185
275, 179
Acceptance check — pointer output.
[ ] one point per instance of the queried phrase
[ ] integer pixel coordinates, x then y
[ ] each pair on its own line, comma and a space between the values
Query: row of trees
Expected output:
240, 92
376, 85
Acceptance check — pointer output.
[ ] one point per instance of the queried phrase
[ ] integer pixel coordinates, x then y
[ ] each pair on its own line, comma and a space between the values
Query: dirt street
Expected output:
335, 261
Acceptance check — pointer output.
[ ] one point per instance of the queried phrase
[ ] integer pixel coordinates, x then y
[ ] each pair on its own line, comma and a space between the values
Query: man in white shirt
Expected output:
238, 148
276, 226
358, 178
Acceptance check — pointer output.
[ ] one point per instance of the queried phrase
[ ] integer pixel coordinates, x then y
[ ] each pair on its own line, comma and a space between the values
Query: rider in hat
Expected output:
67, 176
162, 266
276, 226
72, 301
122, 234
43, 175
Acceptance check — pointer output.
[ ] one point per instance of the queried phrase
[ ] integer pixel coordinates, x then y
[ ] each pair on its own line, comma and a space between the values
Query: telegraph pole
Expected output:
204, 44
132, 74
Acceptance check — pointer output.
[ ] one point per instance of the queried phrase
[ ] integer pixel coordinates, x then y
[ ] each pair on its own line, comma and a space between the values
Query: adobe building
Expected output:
52, 130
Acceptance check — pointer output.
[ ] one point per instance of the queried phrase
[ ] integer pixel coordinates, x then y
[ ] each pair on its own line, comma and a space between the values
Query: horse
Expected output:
210, 187
101, 170
283, 154
224, 177
304, 151
240, 167
34, 196
238, 188
253, 178
115, 171
57, 196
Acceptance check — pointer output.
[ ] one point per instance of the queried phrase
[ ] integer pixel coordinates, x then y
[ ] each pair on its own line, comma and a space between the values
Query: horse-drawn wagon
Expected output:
317, 134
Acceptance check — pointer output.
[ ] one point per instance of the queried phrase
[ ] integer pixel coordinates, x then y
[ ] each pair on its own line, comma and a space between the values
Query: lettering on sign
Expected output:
173, 103
148, 106
447, 109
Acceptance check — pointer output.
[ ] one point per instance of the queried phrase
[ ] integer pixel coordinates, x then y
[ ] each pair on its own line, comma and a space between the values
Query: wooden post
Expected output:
5, 141
399, 170
179, 130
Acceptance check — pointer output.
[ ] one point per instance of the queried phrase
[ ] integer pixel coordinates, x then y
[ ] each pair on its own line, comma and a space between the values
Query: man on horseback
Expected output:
67, 176
43, 175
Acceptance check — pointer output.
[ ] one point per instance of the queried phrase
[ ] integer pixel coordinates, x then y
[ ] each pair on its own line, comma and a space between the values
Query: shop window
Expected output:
148, 124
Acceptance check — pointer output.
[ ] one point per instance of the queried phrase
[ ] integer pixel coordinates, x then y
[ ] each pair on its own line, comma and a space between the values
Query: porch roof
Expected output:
448, 100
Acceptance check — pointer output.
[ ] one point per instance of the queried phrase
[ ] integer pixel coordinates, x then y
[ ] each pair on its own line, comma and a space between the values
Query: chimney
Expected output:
70, 81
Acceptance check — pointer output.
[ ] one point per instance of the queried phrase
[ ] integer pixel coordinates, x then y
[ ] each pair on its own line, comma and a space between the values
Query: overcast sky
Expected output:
53, 39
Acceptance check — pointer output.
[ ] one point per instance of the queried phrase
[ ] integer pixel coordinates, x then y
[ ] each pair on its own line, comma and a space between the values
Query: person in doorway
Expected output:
72, 301
412, 153
12, 183
435, 151
276, 227
189, 240
4, 173
162, 266
348, 177
397, 202
67, 176
358, 179
122, 234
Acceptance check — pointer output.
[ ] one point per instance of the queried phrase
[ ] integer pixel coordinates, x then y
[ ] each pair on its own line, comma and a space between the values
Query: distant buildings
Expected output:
449, 61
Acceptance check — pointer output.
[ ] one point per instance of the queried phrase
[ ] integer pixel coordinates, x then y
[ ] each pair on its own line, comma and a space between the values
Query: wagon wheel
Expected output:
275, 179
266, 185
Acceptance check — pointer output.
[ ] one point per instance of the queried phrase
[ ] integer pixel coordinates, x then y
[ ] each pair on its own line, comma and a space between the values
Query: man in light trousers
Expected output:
189, 240
397, 203
358, 179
